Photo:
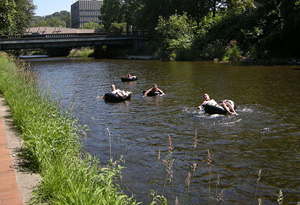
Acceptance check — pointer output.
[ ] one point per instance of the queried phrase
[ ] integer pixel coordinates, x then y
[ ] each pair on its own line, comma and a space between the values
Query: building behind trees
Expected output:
84, 11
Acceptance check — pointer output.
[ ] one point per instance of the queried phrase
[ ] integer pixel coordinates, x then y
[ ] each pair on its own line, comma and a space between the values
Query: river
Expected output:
216, 158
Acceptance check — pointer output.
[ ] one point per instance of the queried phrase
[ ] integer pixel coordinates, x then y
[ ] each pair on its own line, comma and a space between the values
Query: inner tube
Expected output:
132, 78
217, 109
152, 93
111, 97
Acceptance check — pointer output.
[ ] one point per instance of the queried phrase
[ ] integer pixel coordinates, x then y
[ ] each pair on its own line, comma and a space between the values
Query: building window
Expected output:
84, 11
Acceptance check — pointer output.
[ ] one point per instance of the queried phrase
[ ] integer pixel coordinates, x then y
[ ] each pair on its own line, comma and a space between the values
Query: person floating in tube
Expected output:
154, 89
224, 103
119, 92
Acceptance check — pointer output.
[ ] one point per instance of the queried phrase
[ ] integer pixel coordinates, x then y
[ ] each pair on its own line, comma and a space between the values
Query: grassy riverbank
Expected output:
52, 144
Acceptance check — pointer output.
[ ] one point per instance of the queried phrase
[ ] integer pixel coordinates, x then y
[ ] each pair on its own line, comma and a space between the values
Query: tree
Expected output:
111, 12
15, 16
64, 16
197, 9
55, 22
176, 35
150, 12
118, 27
216, 5
237, 7
7, 12
263, 32
281, 26
130, 10
57, 19
92, 25
24, 14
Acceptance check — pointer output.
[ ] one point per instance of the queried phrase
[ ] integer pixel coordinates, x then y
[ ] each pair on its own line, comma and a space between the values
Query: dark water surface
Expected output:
264, 136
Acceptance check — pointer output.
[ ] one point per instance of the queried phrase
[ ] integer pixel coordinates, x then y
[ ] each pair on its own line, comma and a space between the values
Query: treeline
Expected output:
60, 19
57, 19
208, 29
186, 29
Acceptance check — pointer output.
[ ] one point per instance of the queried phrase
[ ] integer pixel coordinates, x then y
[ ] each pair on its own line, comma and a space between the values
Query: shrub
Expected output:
84, 52
232, 52
176, 35
117, 27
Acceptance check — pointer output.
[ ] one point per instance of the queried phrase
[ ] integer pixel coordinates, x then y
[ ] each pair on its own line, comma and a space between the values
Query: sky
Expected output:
47, 7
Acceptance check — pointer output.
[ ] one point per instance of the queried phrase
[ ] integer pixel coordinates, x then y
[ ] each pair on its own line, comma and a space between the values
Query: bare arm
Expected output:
200, 106
161, 92
146, 93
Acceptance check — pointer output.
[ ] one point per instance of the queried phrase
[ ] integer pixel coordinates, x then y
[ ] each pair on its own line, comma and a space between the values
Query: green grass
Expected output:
52, 142
84, 52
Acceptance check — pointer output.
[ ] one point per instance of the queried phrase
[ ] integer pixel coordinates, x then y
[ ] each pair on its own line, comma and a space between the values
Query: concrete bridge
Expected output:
73, 40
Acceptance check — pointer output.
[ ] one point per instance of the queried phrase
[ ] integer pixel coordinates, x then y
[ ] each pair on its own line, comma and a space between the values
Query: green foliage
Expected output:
25, 12
176, 35
92, 25
237, 7
84, 52
111, 12
114, 12
232, 52
203, 46
15, 16
214, 49
158, 199
117, 27
279, 23
57, 19
55, 22
260, 28
51, 139
7, 12
215, 34
131, 10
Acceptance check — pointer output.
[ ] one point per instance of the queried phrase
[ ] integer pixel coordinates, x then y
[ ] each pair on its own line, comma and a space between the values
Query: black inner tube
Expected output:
132, 78
111, 97
152, 93
217, 109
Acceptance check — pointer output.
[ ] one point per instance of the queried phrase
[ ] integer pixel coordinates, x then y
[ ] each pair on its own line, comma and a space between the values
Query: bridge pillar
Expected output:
139, 45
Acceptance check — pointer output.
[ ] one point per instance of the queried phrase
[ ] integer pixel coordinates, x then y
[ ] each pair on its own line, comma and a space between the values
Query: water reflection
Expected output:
264, 136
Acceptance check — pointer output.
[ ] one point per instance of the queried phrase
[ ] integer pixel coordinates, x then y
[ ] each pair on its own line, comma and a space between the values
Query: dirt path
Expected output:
16, 183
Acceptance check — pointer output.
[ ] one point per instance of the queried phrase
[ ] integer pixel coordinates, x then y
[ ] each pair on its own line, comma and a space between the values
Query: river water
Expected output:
228, 151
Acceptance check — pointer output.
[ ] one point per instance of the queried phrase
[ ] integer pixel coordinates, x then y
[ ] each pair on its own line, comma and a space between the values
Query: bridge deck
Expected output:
67, 40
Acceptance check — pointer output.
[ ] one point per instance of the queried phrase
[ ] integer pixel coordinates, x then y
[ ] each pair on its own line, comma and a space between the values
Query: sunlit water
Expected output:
264, 136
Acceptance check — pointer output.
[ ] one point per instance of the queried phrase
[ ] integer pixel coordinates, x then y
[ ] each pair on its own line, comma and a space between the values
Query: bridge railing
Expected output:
72, 35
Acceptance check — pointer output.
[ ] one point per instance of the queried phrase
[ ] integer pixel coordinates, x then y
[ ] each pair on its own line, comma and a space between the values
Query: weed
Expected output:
257, 182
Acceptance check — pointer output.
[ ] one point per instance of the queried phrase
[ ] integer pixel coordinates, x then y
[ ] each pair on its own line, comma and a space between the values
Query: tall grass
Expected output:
84, 52
52, 141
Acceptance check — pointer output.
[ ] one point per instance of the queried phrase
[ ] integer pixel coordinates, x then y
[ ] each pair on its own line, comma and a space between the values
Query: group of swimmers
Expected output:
124, 94
154, 89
